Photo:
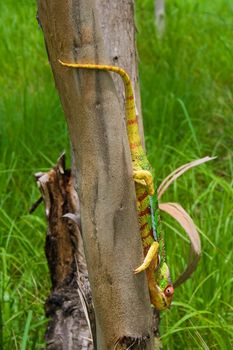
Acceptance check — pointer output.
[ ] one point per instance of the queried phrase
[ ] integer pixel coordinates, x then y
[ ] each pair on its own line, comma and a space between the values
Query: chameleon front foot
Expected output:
145, 178
151, 254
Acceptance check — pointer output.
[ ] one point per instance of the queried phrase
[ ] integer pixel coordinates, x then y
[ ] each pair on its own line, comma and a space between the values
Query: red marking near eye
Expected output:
169, 291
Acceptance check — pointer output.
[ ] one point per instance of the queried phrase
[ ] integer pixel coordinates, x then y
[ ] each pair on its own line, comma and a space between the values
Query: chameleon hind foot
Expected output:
151, 254
145, 178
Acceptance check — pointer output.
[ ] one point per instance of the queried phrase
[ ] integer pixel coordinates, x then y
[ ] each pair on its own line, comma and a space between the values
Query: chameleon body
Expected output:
158, 276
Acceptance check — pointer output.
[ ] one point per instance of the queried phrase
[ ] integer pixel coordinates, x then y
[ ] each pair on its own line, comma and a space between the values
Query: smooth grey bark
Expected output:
103, 172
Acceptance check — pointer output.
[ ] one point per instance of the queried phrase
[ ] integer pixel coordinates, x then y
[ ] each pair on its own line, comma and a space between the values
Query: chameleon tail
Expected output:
137, 152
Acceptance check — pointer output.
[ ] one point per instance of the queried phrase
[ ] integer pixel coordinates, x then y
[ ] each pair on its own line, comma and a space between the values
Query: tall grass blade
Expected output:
26, 331
188, 118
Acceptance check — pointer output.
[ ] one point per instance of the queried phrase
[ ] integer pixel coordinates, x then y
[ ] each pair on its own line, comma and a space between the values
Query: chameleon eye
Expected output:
169, 291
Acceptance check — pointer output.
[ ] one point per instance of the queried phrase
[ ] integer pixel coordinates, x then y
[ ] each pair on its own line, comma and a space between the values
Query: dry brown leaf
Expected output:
180, 215
178, 172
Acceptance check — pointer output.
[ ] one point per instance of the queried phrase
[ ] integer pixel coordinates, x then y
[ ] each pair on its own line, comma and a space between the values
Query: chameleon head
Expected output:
160, 287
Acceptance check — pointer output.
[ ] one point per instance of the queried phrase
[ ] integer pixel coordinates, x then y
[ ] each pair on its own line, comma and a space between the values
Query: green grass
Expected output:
186, 82
187, 98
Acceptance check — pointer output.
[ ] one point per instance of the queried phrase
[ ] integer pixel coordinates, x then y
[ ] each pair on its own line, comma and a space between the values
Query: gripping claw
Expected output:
145, 178
151, 254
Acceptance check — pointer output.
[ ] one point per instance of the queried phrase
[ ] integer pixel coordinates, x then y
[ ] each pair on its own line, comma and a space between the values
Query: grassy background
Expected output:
186, 83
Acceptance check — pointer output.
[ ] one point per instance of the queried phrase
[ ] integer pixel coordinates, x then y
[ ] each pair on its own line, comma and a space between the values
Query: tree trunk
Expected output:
119, 35
102, 165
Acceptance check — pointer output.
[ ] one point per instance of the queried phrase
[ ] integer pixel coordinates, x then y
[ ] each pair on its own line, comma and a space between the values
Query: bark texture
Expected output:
103, 172
68, 327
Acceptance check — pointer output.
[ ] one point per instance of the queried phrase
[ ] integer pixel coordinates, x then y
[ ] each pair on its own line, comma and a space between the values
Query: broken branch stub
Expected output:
69, 315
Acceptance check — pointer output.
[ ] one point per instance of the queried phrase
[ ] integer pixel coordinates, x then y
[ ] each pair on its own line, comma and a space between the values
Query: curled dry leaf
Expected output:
178, 172
180, 215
